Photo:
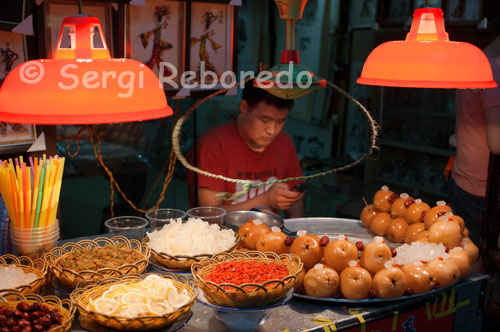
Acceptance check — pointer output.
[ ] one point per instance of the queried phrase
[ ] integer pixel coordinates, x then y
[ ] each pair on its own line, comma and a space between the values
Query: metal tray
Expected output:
332, 227
376, 300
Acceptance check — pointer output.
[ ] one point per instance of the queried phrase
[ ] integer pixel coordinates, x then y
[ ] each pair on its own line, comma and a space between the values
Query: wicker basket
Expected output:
81, 297
180, 262
70, 277
37, 266
246, 295
11, 298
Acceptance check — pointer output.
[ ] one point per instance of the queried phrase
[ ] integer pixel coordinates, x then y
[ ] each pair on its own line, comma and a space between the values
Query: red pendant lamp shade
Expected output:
427, 59
82, 84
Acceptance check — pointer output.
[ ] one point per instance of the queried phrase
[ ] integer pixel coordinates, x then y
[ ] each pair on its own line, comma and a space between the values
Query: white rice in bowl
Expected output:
194, 237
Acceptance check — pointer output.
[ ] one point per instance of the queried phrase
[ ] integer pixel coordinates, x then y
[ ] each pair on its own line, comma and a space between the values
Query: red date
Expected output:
409, 202
26, 317
323, 242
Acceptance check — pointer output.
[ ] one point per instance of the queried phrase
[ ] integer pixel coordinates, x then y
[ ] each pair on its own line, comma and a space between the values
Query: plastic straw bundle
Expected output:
31, 193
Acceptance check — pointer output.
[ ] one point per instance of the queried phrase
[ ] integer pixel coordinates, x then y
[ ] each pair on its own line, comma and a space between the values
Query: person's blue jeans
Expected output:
469, 207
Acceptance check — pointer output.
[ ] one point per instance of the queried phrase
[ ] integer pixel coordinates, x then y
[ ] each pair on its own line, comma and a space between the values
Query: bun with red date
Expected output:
413, 230
339, 253
446, 232
250, 233
433, 215
400, 205
419, 277
389, 282
445, 271
321, 281
375, 255
383, 198
355, 282
307, 247
273, 241
396, 231
380, 222
367, 214
416, 212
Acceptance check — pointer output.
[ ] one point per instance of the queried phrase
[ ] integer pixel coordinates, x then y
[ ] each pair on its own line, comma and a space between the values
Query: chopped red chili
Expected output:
243, 272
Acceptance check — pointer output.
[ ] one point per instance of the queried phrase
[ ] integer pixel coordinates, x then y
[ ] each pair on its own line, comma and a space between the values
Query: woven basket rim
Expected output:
243, 256
53, 257
30, 266
78, 293
198, 257
50, 300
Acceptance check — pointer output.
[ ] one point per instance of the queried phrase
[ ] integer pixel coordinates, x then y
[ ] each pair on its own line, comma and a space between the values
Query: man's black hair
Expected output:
253, 95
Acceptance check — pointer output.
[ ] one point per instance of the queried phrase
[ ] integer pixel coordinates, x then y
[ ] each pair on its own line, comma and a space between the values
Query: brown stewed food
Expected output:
109, 257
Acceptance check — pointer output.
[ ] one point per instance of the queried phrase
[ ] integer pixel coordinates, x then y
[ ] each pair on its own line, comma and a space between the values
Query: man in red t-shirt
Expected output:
252, 147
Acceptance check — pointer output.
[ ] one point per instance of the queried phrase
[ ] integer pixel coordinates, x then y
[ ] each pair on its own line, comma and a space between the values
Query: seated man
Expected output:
251, 146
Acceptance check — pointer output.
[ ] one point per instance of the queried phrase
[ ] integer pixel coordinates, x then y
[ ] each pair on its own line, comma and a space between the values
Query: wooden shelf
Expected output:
418, 148
422, 190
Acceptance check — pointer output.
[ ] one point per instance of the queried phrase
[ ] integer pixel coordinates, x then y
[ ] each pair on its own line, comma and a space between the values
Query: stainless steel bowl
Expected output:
234, 219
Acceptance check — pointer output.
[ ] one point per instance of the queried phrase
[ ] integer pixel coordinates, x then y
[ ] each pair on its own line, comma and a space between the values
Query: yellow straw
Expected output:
44, 193
15, 215
27, 195
52, 181
60, 170
36, 184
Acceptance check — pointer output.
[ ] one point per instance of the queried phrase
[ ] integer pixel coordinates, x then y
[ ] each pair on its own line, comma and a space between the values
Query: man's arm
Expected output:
492, 118
278, 197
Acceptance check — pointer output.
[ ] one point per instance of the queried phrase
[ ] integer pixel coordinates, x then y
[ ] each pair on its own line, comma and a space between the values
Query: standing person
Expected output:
252, 146
478, 133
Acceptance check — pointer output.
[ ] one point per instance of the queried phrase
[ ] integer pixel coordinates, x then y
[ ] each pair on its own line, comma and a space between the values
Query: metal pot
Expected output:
234, 219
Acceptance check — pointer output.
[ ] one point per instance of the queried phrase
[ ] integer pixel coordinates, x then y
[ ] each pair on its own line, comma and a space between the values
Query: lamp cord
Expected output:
80, 10
248, 184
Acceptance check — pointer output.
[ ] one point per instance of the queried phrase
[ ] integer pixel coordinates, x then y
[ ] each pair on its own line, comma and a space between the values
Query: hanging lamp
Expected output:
82, 84
290, 79
427, 59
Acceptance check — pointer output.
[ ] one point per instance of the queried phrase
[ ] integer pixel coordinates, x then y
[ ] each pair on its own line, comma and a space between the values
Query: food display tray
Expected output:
332, 227
355, 231
376, 300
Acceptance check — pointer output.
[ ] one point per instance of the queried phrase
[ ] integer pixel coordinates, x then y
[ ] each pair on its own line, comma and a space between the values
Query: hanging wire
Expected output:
95, 138
248, 184
176, 153
80, 10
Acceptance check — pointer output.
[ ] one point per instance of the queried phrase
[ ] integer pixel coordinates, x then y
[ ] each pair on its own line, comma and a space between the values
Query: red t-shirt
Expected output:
222, 151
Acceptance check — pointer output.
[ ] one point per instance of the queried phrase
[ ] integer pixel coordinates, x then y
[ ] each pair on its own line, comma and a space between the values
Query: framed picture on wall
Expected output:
56, 10
16, 137
363, 13
12, 52
211, 39
394, 12
157, 34
463, 12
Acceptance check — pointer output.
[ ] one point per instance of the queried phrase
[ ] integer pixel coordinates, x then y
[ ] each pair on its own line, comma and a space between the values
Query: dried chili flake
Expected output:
243, 272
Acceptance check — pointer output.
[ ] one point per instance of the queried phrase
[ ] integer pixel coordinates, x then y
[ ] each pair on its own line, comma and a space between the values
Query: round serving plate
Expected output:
376, 300
333, 227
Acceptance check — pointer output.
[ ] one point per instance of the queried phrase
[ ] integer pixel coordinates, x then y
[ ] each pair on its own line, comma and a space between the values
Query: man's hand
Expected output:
280, 197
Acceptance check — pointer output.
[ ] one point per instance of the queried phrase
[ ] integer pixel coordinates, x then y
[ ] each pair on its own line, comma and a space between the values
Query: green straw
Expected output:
40, 192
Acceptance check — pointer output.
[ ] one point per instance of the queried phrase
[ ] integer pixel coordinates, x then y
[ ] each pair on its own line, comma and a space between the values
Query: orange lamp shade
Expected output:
82, 84
427, 59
